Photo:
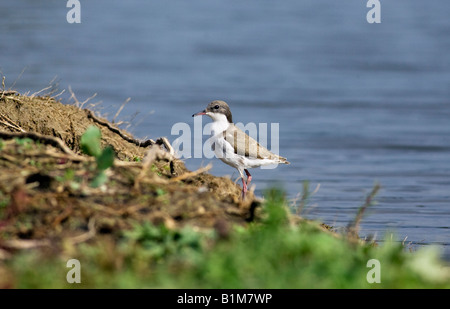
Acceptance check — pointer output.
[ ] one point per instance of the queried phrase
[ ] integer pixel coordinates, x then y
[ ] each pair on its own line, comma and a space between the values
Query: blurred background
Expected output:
357, 103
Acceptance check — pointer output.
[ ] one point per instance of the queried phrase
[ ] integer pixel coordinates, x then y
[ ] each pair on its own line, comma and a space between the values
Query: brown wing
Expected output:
247, 146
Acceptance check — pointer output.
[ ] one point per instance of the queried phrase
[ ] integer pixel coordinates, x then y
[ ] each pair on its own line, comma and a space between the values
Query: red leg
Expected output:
249, 177
244, 188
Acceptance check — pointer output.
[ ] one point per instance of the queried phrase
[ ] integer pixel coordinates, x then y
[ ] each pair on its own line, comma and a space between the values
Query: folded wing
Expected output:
249, 147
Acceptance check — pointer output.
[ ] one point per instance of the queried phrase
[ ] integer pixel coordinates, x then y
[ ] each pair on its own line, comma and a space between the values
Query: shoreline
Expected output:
71, 181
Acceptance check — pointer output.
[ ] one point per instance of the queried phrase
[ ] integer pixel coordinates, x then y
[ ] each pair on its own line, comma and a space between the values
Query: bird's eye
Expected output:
216, 107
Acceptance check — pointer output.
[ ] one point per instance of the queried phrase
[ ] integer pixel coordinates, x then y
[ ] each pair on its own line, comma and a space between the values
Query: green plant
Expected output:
159, 241
160, 192
155, 169
4, 201
91, 145
273, 253
23, 141
353, 227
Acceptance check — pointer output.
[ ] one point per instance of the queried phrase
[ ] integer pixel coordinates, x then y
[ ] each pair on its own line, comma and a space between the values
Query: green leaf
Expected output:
99, 180
275, 207
23, 141
90, 141
160, 192
106, 159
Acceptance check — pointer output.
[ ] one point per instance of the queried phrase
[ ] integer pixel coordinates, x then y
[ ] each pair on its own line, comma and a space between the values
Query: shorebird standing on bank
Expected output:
233, 146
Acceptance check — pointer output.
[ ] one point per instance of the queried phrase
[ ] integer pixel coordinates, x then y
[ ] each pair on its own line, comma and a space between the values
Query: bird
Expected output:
233, 146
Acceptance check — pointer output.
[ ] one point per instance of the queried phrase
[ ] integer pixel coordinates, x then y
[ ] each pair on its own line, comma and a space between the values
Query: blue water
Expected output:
357, 103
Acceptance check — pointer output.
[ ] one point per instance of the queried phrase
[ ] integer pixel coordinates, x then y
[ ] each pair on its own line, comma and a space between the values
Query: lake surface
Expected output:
356, 103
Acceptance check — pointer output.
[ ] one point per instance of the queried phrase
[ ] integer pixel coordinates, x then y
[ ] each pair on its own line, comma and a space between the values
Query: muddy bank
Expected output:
46, 192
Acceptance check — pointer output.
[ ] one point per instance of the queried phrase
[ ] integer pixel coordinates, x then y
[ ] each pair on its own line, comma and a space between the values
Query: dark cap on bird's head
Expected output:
216, 107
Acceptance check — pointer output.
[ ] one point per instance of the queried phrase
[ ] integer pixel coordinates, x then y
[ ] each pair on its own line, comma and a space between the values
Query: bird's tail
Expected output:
283, 160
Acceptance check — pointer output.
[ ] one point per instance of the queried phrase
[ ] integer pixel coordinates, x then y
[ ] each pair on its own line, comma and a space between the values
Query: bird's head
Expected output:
217, 110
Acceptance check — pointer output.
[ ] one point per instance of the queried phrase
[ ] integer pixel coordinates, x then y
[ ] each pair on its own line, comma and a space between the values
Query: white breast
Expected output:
225, 151
220, 123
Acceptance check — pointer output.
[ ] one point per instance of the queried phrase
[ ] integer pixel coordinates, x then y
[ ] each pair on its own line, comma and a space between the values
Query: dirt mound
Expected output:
46, 191
49, 117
